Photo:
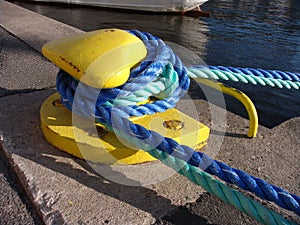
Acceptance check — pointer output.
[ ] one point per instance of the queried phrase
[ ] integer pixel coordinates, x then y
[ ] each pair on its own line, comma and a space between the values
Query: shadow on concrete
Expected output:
182, 216
274, 105
209, 206
5, 92
140, 197
228, 134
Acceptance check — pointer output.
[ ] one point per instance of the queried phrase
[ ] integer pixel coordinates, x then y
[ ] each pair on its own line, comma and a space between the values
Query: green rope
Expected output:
161, 88
167, 81
203, 72
221, 190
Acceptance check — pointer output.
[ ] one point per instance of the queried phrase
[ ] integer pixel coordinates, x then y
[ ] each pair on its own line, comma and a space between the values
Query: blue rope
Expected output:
159, 56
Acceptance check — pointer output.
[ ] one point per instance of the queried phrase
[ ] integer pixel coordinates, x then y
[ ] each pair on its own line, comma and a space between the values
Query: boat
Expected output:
142, 5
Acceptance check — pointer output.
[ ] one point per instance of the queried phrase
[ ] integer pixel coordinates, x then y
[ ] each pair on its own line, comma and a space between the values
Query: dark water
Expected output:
246, 33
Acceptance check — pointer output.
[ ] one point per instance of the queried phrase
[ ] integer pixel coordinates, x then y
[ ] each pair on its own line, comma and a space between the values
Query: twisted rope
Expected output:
229, 195
117, 117
276, 74
219, 189
271, 78
243, 180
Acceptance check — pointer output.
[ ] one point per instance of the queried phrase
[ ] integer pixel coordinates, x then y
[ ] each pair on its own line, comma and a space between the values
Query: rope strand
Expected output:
271, 78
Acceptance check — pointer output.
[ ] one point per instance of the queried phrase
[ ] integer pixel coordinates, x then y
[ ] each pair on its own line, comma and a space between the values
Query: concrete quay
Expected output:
47, 186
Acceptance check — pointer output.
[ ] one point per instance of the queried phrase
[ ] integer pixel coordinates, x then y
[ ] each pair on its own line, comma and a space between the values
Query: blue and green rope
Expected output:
271, 78
113, 107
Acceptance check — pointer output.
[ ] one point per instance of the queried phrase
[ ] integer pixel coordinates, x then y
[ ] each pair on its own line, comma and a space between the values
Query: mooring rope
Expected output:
271, 78
221, 190
276, 74
161, 64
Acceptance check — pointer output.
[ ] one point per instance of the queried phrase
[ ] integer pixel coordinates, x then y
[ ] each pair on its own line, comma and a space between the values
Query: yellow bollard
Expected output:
103, 59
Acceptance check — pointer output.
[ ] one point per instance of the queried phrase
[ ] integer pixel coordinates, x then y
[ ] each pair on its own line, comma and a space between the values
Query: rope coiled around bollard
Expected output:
160, 63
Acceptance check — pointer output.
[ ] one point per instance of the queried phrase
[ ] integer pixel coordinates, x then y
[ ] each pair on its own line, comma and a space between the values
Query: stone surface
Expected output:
15, 206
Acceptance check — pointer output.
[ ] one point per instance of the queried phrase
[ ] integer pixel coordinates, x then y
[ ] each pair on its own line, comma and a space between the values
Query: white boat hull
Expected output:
144, 5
